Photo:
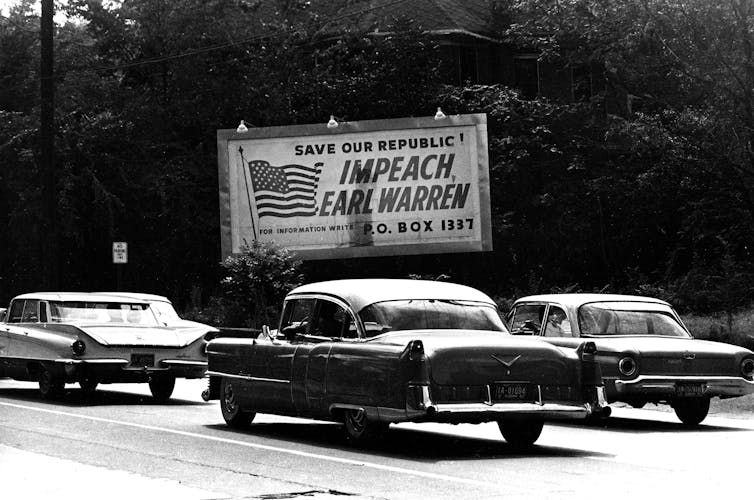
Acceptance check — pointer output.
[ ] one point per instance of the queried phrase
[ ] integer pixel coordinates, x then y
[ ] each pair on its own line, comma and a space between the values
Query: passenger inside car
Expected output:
557, 323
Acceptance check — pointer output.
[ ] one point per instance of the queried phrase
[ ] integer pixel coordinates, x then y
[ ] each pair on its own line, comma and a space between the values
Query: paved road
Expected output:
117, 440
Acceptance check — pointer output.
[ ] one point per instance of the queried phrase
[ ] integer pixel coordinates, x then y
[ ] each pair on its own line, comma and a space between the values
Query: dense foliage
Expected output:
655, 197
258, 279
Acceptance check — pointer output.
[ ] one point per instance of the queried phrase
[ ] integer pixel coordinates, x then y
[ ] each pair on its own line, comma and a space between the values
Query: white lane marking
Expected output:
371, 465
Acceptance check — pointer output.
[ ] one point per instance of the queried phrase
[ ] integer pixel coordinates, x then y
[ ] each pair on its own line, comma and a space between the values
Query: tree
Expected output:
686, 69
259, 278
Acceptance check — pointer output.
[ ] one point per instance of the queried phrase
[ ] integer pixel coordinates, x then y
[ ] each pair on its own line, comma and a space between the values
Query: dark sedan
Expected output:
371, 352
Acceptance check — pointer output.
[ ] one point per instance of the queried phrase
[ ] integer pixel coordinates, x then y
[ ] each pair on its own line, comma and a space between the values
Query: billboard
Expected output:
366, 188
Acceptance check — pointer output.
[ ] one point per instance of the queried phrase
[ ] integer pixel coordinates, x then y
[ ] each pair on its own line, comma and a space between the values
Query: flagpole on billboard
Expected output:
244, 165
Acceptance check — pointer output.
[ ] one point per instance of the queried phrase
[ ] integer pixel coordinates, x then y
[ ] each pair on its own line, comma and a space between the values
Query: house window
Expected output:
468, 65
526, 76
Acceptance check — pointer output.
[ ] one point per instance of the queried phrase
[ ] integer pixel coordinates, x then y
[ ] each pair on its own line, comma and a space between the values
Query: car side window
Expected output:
331, 320
557, 324
527, 319
16, 311
31, 312
297, 315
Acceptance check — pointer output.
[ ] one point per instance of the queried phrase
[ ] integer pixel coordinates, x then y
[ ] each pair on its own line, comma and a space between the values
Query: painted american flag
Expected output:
287, 191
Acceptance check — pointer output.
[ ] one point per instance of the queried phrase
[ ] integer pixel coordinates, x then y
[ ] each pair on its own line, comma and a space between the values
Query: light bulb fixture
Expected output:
332, 123
439, 115
242, 128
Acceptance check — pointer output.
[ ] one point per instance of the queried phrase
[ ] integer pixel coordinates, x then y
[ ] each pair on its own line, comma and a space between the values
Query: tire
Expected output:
521, 433
161, 386
233, 413
359, 429
50, 386
691, 411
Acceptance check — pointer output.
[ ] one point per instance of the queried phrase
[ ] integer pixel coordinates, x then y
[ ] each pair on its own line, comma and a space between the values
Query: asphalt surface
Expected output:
118, 444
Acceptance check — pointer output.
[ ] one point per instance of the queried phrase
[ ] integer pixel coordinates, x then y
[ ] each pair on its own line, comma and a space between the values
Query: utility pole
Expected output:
48, 242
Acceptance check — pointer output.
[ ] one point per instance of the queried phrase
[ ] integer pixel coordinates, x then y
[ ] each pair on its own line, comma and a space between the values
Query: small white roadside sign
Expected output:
120, 252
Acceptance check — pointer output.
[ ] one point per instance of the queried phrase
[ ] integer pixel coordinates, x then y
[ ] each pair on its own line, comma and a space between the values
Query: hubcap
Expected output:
357, 419
230, 400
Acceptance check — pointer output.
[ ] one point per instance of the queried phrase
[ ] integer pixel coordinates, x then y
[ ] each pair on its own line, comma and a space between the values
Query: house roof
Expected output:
443, 17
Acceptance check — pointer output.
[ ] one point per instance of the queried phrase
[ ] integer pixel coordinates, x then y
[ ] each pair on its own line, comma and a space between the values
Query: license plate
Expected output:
690, 390
142, 359
510, 392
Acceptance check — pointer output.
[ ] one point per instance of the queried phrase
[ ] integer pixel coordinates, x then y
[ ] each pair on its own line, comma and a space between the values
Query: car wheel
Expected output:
521, 432
230, 405
161, 386
691, 411
359, 429
50, 386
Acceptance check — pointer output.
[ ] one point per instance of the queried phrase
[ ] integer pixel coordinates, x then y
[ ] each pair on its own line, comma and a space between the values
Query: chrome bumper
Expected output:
419, 405
714, 386
162, 365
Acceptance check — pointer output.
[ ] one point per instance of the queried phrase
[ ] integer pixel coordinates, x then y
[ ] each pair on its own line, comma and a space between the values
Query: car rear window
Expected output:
429, 314
629, 318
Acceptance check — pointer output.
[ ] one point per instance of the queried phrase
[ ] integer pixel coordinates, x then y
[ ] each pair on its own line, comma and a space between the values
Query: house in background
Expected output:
470, 34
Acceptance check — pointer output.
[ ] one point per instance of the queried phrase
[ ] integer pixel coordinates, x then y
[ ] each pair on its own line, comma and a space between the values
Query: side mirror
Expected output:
266, 332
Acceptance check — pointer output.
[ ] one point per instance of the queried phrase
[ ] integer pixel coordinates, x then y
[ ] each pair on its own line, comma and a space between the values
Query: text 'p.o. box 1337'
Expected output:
367, 188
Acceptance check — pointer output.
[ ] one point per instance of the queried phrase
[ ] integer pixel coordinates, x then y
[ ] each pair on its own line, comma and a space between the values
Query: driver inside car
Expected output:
327, 323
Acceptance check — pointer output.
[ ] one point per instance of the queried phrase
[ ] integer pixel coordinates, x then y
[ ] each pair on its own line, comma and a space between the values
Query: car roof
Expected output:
359, 293
578, 299
79, 297
138, 296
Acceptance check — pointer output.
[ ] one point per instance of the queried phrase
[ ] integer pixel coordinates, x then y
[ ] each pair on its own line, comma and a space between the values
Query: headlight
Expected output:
627, 366
78, 347
747, 367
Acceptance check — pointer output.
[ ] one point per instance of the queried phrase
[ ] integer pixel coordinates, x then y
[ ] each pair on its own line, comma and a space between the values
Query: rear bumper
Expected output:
666, 385
420, 406
109, 368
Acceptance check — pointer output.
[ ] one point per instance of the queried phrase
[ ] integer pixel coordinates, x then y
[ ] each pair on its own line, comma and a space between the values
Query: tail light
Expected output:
415, 350
747, 367
588, 349
78, 347
627, 366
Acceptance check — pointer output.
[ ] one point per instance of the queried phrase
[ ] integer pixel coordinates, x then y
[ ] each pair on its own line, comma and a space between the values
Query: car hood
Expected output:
649, 346
142, 336
476, 357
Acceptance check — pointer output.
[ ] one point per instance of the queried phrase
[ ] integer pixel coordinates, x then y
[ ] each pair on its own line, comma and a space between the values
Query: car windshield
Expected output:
429, 314
102, 312
629, 318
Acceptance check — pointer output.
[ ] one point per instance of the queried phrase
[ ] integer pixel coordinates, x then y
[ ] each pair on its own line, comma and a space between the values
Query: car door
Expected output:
20, 346
4, 340
332, 324
271, 364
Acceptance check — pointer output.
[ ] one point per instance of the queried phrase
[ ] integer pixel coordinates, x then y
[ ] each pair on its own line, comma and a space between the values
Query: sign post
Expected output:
120, 256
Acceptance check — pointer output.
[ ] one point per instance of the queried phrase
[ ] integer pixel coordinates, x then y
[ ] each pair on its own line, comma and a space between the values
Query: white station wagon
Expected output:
97, 338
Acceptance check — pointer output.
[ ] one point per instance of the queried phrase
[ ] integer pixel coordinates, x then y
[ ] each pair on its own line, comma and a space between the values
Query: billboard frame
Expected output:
225, 138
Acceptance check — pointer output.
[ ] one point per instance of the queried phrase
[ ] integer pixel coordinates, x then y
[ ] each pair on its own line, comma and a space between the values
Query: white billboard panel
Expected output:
367, 188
